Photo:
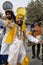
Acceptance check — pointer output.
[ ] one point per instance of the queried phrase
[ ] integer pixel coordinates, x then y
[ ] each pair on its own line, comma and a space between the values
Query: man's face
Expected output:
8, 15
19, 21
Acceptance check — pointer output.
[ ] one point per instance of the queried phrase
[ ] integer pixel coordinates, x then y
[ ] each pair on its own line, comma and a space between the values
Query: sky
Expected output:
16, 4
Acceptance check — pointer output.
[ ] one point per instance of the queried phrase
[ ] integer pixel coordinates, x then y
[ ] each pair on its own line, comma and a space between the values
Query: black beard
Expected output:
20, 24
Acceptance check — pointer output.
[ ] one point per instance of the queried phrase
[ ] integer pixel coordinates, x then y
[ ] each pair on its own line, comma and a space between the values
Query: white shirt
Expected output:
31, 38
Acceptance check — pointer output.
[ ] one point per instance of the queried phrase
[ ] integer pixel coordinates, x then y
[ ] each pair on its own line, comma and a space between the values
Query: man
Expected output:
21, 58
20, 21
10, 18
37, 34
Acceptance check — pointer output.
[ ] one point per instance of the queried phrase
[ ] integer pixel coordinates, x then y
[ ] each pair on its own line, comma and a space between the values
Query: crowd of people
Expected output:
13, 33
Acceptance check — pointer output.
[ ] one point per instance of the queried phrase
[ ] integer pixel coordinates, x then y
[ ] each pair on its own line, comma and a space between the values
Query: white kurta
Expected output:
5, 47
16, 52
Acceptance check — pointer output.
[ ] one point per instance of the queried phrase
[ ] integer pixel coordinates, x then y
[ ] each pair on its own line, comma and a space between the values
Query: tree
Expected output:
34, 11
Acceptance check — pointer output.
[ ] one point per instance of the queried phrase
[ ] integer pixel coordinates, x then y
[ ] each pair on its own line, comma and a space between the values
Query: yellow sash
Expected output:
24, 30
8, 23
23, 26
11, 35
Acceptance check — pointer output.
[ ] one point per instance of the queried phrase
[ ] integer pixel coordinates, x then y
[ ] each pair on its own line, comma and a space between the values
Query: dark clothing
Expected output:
37, 31
3, 59
38, 49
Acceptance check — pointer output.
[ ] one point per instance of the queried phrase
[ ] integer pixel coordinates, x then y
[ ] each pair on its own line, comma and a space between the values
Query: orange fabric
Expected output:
38, 30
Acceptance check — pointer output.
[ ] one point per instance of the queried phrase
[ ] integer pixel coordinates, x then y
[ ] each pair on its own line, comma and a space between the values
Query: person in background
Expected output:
2, 28
37, 34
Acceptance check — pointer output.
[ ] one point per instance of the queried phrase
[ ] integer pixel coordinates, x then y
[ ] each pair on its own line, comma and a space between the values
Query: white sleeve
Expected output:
31, 38
3, 22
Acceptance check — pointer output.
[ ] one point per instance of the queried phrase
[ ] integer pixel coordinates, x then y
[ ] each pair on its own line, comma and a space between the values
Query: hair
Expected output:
39, 23
14, 17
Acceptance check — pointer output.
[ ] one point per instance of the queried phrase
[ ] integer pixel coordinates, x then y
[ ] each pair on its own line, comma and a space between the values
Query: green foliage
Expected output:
34, 11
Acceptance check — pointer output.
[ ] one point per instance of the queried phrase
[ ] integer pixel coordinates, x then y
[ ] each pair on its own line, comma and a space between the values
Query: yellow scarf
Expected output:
11, 34
23, 26
24, 30
8, 22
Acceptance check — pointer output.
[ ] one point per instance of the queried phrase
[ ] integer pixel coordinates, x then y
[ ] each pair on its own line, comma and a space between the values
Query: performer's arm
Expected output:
31, 38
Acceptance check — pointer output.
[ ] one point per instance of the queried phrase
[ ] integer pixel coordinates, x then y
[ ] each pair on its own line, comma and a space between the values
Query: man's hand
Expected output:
41, 42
